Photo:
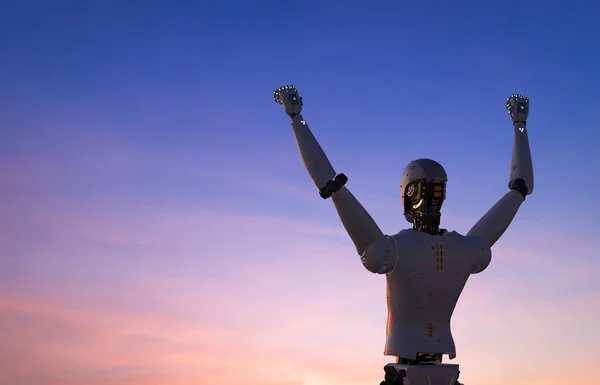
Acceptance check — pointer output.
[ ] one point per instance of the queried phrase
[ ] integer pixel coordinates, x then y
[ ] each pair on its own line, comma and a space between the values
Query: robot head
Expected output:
423, 190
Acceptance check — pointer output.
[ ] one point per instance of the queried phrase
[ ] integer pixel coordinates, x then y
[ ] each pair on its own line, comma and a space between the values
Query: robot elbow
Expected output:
519, 185
378, 257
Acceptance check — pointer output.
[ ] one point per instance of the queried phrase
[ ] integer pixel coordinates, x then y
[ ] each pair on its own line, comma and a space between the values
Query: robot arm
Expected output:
495, 222
521, 171
379, 252
356, 220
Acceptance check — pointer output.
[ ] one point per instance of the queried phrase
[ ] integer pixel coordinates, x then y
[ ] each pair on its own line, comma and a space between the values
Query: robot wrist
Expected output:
333, 185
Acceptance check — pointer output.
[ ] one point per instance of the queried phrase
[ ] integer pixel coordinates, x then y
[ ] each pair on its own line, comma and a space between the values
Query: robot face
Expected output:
423, 189
424, 198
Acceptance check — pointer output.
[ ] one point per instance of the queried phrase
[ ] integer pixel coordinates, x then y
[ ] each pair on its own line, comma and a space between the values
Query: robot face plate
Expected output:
424, 200
422, 188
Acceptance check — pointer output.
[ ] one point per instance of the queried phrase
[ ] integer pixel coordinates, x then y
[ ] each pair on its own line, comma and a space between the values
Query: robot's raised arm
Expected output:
521, 170
356, 220
495, 222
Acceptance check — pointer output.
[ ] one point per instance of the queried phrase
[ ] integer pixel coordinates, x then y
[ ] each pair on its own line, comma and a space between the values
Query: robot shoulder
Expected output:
382, 255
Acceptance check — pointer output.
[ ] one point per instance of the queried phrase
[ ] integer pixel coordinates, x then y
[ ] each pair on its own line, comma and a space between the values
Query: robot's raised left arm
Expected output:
363, 230
495, 222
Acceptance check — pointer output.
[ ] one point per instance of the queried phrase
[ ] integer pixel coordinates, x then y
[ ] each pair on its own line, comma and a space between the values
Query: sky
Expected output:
157, 225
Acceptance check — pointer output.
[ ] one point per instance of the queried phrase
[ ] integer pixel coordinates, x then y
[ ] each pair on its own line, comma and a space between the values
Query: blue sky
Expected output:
146, 164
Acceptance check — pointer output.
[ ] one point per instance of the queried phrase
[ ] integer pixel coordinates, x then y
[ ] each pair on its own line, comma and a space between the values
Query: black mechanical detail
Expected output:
393, 376
520, 186
522, 106
422, 359
424, 200
518, 107
292, 97
333, 185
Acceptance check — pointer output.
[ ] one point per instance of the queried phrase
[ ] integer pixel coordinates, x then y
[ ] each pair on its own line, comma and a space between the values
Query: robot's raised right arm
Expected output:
361, 227
521, 166
495, 222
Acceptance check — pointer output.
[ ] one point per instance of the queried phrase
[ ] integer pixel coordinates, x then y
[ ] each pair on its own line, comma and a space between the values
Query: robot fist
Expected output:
288, 96
518, 107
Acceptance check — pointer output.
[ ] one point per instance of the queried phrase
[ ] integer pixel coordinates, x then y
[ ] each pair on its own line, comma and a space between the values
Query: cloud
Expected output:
279, 311
301, 342
181, 294
46, 339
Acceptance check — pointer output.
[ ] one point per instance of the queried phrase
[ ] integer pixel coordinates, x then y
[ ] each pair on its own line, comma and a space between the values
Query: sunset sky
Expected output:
158, 226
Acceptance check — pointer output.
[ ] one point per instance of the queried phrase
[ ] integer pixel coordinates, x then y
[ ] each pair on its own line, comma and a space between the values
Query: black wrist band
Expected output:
520, 186
333, 185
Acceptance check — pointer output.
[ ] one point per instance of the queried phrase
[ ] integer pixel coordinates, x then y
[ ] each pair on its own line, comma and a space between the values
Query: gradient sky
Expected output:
158, 227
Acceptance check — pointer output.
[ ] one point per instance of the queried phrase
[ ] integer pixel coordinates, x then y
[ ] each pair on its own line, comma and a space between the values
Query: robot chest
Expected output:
428, 281
437, 259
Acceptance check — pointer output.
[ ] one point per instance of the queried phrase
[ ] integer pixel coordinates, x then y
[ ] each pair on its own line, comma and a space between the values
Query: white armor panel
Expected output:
423, 288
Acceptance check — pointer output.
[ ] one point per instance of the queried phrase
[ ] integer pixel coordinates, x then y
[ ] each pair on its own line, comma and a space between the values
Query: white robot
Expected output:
426, 267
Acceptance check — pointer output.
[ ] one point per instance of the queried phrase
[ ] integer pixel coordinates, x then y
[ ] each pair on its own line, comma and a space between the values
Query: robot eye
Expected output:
410, 190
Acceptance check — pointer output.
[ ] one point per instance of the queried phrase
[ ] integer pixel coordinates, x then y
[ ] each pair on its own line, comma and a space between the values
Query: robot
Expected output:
426, 268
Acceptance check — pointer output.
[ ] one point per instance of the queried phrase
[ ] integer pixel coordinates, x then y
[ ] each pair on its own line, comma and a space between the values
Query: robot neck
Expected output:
427, 223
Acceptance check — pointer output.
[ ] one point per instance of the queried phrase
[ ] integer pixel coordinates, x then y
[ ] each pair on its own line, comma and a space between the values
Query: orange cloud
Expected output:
123, 295
50, 341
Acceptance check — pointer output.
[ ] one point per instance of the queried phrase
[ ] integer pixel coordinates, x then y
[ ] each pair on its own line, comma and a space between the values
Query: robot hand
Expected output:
518, 107
288, 96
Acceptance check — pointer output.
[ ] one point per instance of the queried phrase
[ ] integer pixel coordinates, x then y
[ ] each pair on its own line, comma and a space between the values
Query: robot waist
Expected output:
422, 359
408, 340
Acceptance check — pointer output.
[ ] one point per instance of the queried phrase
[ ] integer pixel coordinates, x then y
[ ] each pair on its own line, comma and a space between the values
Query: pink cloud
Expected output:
204, 290
56, 341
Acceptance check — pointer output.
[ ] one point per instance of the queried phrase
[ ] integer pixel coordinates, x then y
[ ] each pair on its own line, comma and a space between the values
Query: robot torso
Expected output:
423, 288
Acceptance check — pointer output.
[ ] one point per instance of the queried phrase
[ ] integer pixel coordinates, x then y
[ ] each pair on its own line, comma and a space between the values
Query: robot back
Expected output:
424, 287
